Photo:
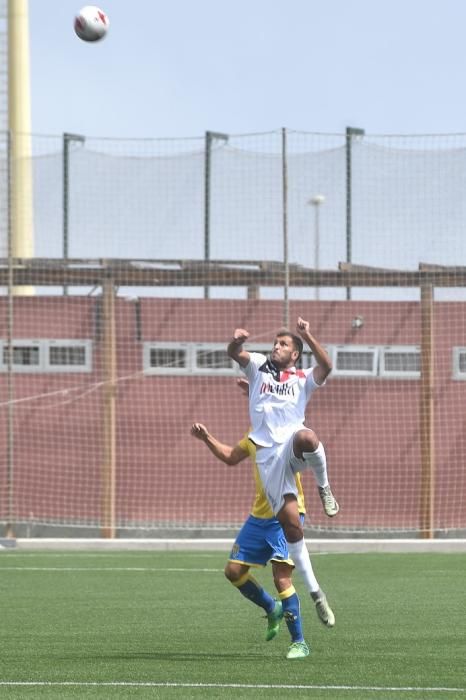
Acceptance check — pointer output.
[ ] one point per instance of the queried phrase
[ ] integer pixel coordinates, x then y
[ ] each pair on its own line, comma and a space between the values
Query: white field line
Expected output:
334, 546
252, 686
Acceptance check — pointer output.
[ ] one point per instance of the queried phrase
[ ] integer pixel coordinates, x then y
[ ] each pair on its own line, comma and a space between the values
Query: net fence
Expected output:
148, 198
149, 253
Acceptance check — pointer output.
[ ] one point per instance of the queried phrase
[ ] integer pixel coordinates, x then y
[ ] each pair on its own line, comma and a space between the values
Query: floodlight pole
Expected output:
286, 260
67, 139
316, 201
19, 124
210, 137
351, 132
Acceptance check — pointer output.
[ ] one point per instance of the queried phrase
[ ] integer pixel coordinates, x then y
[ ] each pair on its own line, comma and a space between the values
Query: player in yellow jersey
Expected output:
261, 539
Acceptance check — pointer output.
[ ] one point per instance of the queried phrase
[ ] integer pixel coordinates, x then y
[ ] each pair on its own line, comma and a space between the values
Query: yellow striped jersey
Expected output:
261, 507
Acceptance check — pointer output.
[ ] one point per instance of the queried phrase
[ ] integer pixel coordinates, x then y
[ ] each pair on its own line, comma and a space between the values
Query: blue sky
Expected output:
179, 67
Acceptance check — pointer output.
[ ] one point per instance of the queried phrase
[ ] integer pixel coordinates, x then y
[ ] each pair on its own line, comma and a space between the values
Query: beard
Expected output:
281, 363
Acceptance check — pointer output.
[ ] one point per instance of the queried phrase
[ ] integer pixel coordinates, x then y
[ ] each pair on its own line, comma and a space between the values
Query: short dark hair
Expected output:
297, 342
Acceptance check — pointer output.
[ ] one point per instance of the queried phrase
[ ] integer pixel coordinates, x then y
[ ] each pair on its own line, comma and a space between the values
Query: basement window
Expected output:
400, 362
355, 361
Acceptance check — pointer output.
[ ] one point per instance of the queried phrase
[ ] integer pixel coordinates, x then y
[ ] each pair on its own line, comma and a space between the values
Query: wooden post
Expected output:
10, 449
426, 521
109, 449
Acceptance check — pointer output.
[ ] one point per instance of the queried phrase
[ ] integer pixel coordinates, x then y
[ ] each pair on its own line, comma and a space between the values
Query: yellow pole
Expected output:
19, 120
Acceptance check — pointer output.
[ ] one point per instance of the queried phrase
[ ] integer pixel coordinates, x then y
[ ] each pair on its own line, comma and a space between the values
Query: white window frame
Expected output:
162, 345
43, 345
355, 349
22, 343
231, 371
191, 366
191, 348
390, 374
68, 343
457, 373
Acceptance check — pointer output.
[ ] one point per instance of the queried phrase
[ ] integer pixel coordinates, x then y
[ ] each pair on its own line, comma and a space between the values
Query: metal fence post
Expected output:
67, 139
350, 133
210, 137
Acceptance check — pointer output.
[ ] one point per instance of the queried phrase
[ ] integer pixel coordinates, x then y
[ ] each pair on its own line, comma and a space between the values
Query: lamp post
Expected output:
67, 139
351, 134
316, 201
210, 138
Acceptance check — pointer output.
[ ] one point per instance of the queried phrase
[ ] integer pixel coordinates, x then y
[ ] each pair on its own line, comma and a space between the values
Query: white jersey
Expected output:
277, 399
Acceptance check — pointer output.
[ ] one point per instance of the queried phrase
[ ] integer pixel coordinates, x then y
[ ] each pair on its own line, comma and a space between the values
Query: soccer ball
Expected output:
91, 23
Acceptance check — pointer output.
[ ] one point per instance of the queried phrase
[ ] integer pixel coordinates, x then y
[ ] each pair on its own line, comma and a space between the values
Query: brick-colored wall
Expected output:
370, 427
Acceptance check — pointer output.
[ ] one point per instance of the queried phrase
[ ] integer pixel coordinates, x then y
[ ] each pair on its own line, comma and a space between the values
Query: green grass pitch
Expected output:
168, 625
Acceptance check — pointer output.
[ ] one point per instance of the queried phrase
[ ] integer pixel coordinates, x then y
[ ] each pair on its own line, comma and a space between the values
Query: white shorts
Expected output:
277, 466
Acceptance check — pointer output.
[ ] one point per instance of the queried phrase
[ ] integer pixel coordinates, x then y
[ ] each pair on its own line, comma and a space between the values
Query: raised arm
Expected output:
235, 347
324, 364
227, 454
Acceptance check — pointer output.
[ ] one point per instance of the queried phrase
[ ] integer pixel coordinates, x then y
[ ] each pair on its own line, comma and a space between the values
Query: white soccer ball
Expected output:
91, 23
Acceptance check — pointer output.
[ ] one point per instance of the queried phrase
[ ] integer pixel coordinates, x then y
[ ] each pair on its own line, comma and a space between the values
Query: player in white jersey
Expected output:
278, 395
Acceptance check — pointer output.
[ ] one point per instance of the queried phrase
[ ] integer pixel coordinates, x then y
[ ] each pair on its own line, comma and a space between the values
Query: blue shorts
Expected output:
259, 541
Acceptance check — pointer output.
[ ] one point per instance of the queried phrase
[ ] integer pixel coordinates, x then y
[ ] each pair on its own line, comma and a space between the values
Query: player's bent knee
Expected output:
234, 572
293, 532
307, 441
282, 576
229, 573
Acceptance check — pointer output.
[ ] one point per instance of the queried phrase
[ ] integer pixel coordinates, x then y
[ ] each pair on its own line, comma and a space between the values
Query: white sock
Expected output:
300, 555
318, 463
